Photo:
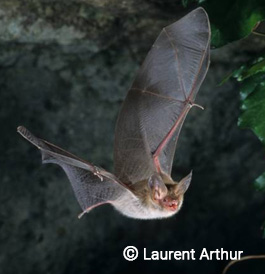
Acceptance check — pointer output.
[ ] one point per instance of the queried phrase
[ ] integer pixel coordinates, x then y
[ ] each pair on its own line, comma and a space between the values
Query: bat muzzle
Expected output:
170, 203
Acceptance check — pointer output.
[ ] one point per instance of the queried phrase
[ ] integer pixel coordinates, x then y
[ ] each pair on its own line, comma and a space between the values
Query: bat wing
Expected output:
92, 186
161, 95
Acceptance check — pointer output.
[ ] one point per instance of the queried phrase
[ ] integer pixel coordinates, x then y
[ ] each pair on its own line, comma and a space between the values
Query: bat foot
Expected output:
97, 173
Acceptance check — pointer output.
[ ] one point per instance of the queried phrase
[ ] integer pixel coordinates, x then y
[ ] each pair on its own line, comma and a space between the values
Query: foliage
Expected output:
231, 20
252, 97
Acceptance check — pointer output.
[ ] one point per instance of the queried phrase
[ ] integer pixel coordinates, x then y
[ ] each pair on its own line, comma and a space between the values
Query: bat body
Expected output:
141, 204
147, 129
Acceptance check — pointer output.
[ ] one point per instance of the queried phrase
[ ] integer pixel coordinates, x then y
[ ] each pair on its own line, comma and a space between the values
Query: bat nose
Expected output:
170, 203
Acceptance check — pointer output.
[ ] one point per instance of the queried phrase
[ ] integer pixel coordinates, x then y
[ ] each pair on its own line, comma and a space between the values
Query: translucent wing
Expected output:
164, 90
92, 186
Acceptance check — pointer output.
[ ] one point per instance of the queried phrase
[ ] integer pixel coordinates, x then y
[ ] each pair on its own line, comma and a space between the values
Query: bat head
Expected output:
168, 196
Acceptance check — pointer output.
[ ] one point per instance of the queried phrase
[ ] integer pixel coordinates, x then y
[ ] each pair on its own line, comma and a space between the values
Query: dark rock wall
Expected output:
64, 71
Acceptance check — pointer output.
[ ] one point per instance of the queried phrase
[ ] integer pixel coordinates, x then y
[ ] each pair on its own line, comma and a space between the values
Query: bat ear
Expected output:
157, 187
184, 184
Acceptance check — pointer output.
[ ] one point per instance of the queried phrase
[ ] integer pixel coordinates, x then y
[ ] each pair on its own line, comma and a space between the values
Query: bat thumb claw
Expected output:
81, 214
196, 105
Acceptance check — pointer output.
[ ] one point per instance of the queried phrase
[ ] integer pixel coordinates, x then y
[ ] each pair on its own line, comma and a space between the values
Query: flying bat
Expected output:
147, 128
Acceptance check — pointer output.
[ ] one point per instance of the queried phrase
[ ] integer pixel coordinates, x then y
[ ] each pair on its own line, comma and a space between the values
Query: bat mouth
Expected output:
170, 204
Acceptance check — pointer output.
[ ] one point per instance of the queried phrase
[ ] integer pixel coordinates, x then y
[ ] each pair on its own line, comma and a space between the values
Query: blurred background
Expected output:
65, 68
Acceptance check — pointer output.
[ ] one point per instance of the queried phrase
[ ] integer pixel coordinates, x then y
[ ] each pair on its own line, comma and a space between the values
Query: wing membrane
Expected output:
160, 97
92, 186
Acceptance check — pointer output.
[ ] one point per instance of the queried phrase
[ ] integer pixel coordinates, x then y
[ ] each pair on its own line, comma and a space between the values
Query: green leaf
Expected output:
256, 68
185, 3
252, 97
253, 114
250, 21
244, 72
249, 85
260, 184
234, 19
235, 74
216, 37
231, 20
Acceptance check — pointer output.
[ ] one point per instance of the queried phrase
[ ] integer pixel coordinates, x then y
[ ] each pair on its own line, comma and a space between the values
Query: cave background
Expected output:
64, 72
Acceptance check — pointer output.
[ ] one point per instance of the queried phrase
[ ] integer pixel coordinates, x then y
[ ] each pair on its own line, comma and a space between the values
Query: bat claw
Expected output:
84, 212
81, 214
199, 106
195, 105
